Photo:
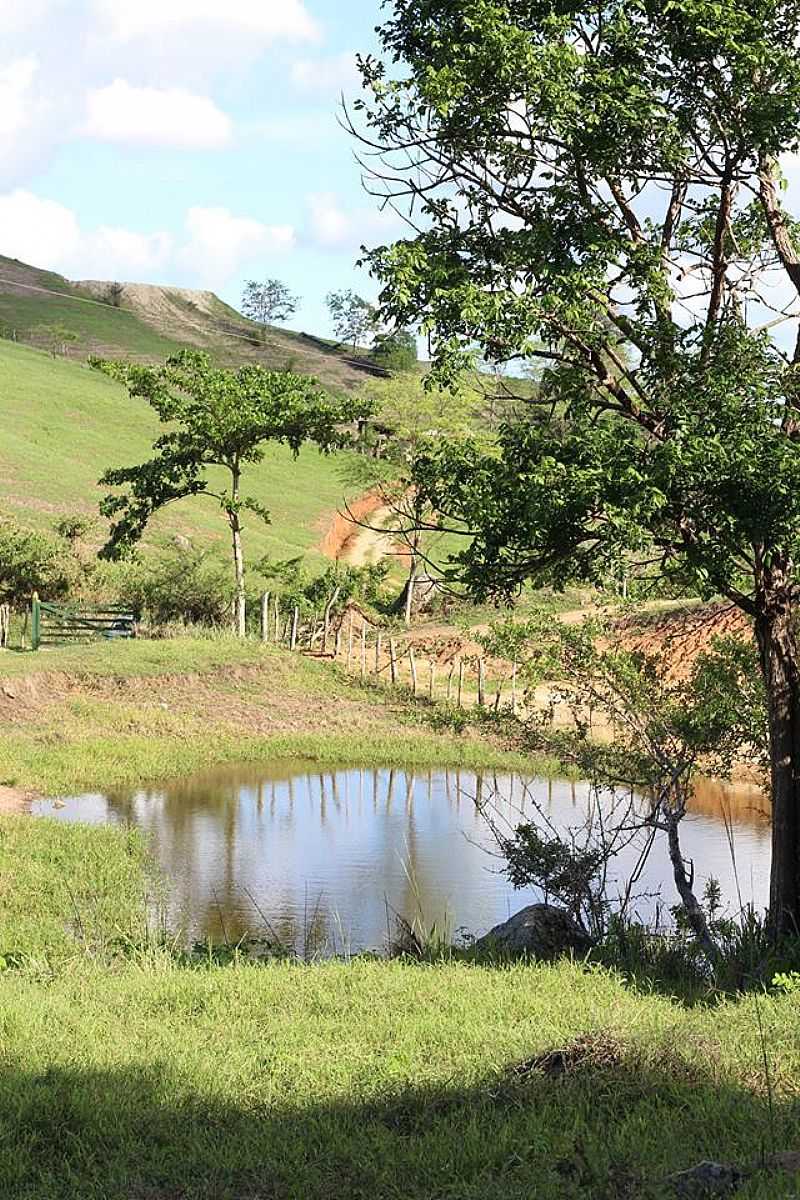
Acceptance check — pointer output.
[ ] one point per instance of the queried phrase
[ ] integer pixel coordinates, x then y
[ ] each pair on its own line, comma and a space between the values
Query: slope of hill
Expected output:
64, 424
45, 310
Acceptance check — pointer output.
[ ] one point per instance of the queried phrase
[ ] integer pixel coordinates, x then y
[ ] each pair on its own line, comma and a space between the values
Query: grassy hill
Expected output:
64, 424
37, 306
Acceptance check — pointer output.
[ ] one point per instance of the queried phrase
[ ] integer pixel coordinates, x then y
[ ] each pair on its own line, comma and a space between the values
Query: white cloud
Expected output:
27, 125
267, 20
334, 228
219, 242
155, 117
214, 245
17, 99
47, 234
336, 74
15, 15
37, 231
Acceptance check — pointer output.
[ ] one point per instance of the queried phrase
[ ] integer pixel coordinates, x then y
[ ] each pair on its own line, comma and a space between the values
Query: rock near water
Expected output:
540, 930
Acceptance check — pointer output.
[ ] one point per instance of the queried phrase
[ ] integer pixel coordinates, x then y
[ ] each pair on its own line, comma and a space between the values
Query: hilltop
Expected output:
149, 322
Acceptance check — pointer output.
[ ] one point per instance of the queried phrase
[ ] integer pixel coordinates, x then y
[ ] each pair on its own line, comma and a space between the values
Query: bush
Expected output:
396, 351
193, 586
33, 562
312, 592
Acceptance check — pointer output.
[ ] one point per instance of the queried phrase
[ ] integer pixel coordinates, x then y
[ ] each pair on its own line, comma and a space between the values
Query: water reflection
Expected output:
318, 859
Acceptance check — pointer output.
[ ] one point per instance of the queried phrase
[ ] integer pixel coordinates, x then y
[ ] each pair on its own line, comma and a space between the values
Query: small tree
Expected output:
659, 732
268, 302
113, 294
396, 351
57, 337
217, 418
33, 562
353, 317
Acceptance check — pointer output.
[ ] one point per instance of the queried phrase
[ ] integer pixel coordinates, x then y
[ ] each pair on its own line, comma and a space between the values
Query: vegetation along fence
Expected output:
350, 639
55, 624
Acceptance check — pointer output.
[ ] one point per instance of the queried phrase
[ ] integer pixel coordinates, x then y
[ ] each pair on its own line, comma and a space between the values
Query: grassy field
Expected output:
118, 713
64, 424
130, 1073
152, 322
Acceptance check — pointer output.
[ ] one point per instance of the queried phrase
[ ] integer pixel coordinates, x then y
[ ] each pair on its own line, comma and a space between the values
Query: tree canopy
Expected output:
267, 301
216, 418
598, 189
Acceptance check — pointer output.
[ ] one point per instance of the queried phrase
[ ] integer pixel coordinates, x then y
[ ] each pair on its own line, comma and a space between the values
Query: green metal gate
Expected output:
59, 624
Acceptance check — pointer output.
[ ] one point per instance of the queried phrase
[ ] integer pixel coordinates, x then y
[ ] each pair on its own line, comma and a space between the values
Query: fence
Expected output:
56, 624
371, 653
5, 624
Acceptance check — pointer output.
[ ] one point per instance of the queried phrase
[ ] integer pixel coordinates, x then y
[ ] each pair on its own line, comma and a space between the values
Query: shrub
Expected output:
396, 351
33, 562
297, 586
189, 585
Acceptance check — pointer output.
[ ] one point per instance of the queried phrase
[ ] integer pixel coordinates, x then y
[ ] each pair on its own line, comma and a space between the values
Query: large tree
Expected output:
216, 418
598, 187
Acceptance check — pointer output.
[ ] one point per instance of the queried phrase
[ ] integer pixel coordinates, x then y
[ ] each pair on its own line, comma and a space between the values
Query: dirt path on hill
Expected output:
357, 545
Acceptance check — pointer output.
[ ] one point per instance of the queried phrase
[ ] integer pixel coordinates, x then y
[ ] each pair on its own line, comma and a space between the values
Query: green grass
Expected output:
108, 715
67, 891
98, 326
130, 1073
65, 424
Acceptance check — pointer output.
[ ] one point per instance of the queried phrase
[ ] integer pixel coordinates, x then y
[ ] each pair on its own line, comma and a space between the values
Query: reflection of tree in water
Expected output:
311, 860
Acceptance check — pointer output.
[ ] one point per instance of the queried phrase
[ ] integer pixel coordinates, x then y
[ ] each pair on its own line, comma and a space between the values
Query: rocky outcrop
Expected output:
540, 930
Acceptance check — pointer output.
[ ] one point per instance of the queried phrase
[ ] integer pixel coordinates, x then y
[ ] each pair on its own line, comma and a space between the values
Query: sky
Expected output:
187, 142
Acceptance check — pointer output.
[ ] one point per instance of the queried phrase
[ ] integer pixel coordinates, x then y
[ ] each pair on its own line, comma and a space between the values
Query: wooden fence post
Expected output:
481, 682
378, 643
350, 642
450, 680
363, 651
413, 663
277, 620
460, 681
337, 645
265, 617
295, 619
36, 622
393, 660
326, 618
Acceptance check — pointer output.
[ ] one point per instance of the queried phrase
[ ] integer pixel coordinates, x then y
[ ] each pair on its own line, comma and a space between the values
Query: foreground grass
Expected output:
111, 714
133, 1073
129, 1074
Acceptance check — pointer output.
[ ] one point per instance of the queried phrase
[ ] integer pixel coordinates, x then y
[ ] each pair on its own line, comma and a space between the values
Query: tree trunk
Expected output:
693, 910
779, 661
412, 579
238, 557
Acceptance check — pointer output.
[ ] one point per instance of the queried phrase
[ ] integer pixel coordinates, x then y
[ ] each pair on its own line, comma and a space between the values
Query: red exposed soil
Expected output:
341, 531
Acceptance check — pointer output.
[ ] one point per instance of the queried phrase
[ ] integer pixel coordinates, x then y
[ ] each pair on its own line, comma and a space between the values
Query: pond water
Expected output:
321, 860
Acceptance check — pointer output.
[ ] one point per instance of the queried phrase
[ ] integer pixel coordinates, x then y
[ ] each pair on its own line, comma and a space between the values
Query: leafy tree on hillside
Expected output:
397, 351
406, 417
601, 188
268, 302
216, 418
353, 317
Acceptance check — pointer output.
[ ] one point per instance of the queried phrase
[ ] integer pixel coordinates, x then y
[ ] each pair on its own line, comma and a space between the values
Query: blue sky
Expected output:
188, 142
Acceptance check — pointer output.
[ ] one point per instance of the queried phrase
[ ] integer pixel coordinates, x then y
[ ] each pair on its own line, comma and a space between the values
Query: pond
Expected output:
321, 859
